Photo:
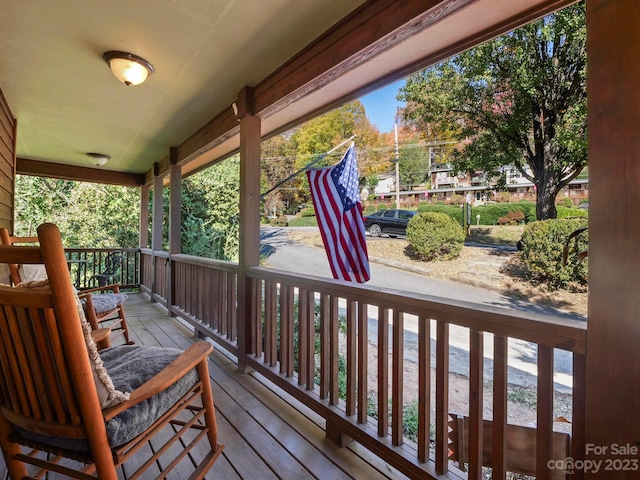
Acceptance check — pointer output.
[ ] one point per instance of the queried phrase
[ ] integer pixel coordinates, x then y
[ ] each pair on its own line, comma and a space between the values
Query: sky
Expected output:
381, 106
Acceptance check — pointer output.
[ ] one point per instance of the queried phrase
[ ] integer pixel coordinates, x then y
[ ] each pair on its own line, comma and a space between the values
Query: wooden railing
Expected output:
84, 263
343, 351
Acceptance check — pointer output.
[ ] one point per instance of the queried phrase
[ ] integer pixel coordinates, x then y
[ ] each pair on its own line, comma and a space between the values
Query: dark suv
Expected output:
390, 222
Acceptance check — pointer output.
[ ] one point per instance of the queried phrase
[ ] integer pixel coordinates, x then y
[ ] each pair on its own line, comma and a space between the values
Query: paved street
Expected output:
279, 252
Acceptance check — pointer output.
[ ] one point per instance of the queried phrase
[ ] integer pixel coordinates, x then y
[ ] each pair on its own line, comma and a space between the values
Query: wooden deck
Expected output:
266, 433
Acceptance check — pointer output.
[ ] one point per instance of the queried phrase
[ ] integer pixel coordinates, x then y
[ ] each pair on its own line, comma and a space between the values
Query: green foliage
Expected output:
491, 213
520, 98
414, 163
568, 212
88, 215
382, 206
564, 202
454, 211
370, 208
106, 216
308, 212
542, 253
210, 211
433, 236
410, 420
303, 222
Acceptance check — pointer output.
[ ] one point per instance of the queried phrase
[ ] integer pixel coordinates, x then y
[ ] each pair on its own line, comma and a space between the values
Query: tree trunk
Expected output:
546, 193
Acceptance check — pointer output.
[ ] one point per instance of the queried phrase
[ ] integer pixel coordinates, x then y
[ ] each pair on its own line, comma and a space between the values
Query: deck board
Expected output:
266, 433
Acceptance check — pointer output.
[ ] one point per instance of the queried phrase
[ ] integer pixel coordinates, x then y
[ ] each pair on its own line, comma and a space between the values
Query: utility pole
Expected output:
397, 170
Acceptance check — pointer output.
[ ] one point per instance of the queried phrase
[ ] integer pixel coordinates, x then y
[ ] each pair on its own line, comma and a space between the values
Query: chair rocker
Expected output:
69, 409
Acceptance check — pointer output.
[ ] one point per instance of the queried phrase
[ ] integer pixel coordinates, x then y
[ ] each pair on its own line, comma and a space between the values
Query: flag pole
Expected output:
306, 167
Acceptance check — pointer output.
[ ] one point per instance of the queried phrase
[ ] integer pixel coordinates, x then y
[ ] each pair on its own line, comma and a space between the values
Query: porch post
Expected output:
249, 220
175, 204
613, 332
143, 241
156, 227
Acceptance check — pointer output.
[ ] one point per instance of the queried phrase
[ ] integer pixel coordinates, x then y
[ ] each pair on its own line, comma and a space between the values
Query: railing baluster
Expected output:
424, 388
383, 371
544, 443
397, 379
271, 315
476, 391
500, 370
232, 307
442, 397
256, 320
334, 321
363, 364
311, 340
324, 346
350, 401
303, 334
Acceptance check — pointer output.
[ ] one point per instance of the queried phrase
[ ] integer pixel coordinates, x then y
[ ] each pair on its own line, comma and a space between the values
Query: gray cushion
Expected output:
129, 367
107, 302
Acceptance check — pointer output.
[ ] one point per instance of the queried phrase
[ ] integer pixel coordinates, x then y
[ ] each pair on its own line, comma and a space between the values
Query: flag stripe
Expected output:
342, 228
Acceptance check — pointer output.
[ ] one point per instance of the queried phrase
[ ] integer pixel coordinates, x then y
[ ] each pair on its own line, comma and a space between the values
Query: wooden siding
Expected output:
7, 163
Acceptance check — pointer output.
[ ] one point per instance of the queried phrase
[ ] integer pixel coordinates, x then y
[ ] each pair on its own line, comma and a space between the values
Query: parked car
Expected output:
390, 222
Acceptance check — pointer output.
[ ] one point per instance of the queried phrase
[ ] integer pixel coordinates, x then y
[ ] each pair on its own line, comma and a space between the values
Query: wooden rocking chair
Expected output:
106, 312
65, 408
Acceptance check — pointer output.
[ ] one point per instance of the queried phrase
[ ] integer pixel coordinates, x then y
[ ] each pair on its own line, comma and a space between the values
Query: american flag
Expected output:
336, 199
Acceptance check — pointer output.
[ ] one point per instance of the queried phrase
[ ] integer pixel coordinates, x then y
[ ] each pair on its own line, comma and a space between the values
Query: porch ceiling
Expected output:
68, 103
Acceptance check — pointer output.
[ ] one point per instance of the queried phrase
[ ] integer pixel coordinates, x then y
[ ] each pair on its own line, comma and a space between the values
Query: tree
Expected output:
517, 100
210, 211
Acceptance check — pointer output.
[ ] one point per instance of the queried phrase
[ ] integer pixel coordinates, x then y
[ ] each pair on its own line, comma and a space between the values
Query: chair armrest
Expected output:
114, 287
187, 360
102, 337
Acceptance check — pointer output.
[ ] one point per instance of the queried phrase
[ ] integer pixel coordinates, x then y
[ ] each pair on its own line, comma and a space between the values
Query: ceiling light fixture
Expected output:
130, 69
99, 159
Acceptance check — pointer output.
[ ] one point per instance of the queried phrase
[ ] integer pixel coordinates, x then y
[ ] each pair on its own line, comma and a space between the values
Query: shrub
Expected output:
542, 247
502, 197
456, 199
370, 208
564, 202
567, 212
491, 213
434, 235
514, 217
382, 206
308, 212
454, 211
281, 221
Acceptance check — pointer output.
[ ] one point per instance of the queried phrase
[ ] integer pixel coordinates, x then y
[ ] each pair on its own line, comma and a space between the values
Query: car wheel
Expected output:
375, 230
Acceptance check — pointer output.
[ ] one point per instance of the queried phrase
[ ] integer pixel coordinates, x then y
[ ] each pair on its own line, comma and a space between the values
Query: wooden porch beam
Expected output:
37, 168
